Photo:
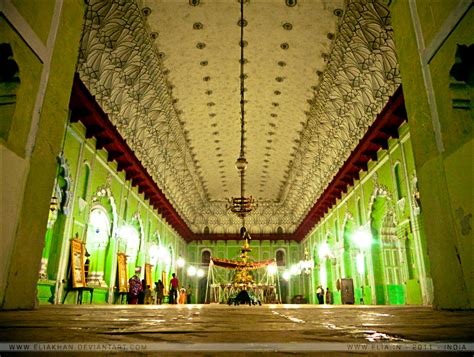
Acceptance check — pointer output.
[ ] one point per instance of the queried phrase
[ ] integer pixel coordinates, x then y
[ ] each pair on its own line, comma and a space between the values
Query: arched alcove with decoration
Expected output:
348, 232
129, 243
379, 207
97, 240
54, 238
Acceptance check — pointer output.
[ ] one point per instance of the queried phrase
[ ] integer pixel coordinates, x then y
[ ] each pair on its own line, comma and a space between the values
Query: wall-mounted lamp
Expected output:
180, 262
192, 271
362, 238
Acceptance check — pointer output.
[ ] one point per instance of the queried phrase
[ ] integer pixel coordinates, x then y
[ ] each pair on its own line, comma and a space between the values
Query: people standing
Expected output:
135, 288
141, 294
159, 287
182, 296
189, 293
320, 294
148, 296
328, 296
174, 287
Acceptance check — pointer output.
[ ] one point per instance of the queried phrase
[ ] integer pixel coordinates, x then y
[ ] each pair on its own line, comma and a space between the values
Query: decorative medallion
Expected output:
198, 26
200, 45
284, 46
287, 26
338, 12
242, 23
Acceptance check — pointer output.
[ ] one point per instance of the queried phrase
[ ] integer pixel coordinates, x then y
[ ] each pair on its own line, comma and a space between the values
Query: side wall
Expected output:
42, 40
93, 183
374, 235
432, 39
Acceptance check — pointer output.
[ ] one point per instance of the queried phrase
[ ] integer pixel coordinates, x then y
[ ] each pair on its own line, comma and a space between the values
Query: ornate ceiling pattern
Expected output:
361, 75
167, 74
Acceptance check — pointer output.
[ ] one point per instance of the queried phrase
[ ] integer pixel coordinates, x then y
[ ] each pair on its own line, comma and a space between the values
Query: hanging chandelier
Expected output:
242, 206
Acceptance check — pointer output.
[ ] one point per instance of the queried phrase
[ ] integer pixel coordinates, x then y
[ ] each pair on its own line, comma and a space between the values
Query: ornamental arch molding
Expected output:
104, 196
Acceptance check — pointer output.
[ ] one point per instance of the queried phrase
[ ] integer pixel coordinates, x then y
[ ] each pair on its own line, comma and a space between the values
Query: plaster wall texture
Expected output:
442, 141
39, 141
12, 180
38, 14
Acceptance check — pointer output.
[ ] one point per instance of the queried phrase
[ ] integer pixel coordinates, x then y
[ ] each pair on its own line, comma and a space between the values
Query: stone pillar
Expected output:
46, 55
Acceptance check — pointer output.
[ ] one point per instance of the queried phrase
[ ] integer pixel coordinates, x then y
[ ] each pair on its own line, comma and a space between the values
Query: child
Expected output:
148, 295
182, 296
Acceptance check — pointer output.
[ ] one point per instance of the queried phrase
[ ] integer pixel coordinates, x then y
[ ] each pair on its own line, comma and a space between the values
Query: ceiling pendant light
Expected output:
242, 206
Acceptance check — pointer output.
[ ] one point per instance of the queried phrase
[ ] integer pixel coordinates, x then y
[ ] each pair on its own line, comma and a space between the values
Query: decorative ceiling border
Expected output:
383, 128
84, 108
361, 74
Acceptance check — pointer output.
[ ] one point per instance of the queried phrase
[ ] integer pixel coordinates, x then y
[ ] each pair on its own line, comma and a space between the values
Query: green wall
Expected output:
439, 106
96, 185
391, 267
44, 46
261, 250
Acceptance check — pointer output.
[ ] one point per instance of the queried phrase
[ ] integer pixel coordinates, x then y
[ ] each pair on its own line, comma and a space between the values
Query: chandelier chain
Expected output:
242, 81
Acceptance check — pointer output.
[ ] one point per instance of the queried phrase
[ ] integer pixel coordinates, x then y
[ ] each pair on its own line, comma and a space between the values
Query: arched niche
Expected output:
205, 257
280, 257
99, 229
59, 208
388, 255
349, 229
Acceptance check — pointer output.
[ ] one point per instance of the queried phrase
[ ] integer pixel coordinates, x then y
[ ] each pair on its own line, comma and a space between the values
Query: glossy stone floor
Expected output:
308, 328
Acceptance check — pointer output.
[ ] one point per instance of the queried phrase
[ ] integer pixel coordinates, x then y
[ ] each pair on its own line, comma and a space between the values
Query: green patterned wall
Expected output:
97, 186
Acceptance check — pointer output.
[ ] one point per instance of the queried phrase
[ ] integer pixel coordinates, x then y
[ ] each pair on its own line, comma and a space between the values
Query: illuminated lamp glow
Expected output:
272, 269
164, 255
191, 271
294, 269
362, 238
324, 250
153, 251
180, 262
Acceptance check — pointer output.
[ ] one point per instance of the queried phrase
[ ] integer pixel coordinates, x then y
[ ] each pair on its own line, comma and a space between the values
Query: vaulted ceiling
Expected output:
167, 73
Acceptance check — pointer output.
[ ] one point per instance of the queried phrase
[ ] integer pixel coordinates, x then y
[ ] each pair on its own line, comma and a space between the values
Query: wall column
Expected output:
436, 86
31, 150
